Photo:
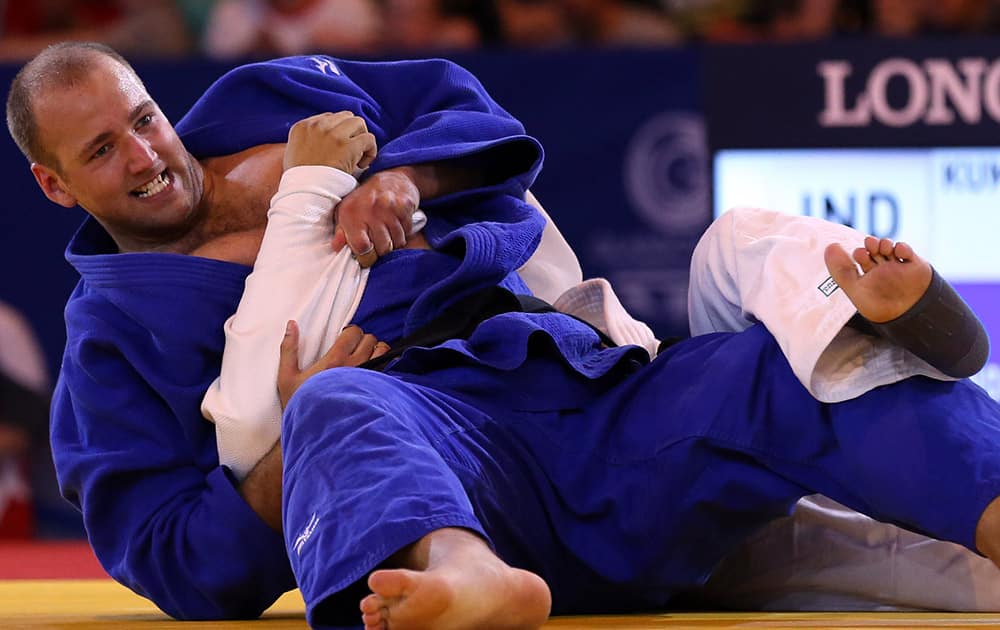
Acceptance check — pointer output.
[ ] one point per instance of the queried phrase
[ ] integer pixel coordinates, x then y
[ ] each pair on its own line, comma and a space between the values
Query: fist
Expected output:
377, 216
339, 140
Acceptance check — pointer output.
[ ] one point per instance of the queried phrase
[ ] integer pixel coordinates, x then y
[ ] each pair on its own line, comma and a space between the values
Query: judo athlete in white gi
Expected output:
468, 480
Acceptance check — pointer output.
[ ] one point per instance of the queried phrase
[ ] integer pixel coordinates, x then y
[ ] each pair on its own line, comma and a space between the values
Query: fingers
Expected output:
396, 235
370, 151
364, 150
340, 140
367, 258
359, 346
288, 363
339, 239
352, 348
386, 238
376, 218
369, 241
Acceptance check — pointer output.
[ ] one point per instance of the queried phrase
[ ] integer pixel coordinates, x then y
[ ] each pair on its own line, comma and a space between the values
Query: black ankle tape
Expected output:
942, 330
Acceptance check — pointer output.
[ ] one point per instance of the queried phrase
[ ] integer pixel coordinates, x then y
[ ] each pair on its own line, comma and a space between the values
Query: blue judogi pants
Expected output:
619, 491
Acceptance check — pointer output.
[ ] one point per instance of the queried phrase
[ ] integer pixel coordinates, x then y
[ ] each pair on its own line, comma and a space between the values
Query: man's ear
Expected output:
52, 185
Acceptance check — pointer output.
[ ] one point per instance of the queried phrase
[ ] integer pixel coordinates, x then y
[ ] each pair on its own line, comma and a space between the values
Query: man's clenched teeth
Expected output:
154, 186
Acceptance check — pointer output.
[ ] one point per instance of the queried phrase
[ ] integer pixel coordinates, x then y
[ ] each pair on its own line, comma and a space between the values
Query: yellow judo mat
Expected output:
103, 604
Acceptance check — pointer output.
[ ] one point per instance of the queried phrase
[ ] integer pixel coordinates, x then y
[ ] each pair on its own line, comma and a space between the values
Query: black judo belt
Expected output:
459, 320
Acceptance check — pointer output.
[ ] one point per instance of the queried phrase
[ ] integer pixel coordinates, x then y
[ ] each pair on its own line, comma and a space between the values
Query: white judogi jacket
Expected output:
759, 265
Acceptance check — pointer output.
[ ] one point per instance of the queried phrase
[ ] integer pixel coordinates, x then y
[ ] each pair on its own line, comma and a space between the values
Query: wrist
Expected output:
325, 181
437, 179
420, 176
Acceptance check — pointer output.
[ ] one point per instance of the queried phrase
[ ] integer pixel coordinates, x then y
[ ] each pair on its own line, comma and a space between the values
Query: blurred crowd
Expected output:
257, 28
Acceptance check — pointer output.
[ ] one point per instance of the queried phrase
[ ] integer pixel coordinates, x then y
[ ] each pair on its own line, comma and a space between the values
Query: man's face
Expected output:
118, 157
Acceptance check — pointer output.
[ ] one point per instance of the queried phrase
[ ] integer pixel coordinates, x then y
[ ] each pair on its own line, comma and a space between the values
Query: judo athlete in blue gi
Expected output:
471, 480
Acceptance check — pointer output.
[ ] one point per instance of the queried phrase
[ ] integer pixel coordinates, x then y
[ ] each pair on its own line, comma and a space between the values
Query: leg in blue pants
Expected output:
636, 491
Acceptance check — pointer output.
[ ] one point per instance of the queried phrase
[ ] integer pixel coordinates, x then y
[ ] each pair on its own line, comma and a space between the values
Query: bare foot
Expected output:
893, 277
468, 587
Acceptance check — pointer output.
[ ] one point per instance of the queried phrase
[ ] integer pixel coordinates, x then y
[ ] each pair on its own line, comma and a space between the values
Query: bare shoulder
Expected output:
242, 186
257, 165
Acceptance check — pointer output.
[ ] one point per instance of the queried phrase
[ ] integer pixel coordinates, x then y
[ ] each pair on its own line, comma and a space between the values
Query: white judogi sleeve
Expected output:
553, 274
297, 275
553, 267
754, 265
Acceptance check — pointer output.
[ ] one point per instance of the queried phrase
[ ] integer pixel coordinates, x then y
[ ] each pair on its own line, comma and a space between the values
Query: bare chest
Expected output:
244, 185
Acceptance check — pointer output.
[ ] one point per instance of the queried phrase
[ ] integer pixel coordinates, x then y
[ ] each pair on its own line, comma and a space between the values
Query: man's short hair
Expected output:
59, 65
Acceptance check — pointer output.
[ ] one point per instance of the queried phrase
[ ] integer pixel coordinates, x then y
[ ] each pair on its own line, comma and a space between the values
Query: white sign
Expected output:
945, 202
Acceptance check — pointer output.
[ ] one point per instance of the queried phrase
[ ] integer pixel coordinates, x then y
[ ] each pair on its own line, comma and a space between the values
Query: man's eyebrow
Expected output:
103, 137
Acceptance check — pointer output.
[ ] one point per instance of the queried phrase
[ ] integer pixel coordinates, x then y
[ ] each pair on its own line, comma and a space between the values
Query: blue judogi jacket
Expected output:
145, 337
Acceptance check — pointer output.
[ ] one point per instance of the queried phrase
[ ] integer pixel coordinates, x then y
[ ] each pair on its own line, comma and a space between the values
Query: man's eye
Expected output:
101, 151
145, 120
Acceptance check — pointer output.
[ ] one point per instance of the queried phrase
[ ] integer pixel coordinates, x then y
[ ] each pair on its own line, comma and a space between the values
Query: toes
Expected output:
371, 604
864, 258
374, 622
885, 248
390, 583
904, 252
374, 613
840, 265
872, 245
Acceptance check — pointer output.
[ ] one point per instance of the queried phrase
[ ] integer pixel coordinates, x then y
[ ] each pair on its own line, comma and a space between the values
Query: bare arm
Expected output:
438, 179
261, 488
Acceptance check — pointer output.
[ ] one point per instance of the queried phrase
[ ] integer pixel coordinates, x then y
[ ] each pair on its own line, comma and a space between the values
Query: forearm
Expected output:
261, 488
438, 179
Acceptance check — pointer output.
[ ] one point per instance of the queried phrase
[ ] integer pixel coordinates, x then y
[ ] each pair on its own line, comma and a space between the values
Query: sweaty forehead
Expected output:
129, 84
71, 114
112, 74
104, 80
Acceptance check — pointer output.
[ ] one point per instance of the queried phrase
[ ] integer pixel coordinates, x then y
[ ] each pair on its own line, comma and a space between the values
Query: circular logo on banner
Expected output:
666, 172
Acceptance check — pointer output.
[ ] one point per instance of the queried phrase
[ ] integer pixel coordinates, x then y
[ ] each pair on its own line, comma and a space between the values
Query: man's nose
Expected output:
141, 155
